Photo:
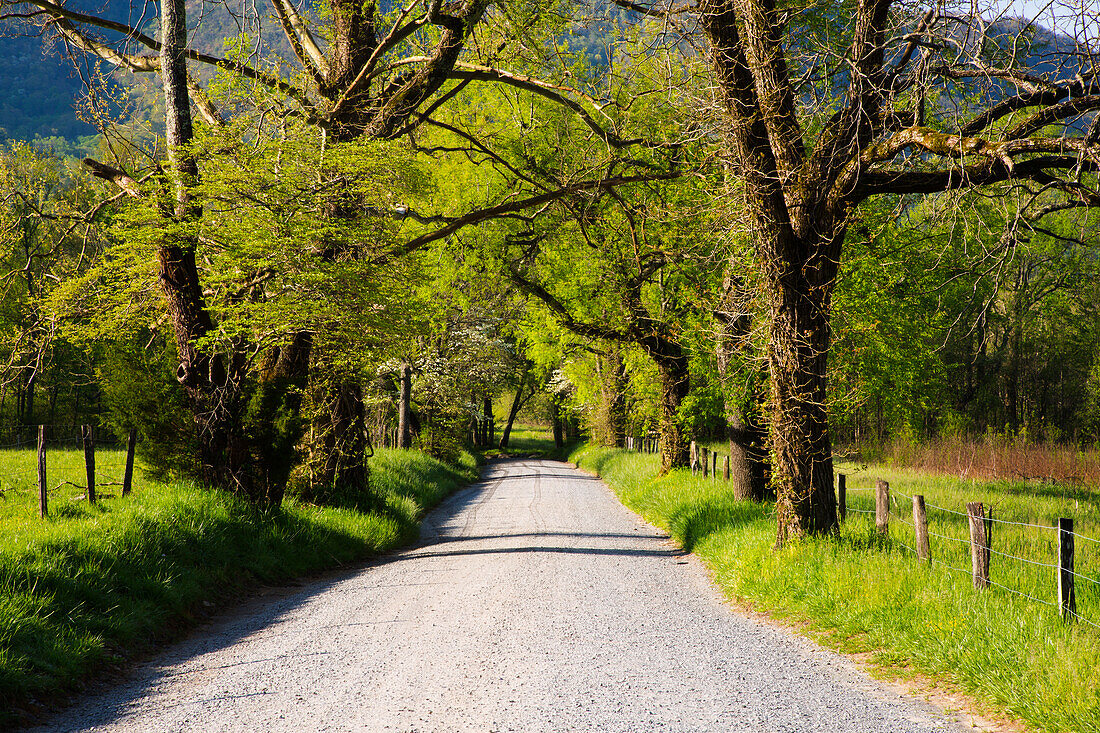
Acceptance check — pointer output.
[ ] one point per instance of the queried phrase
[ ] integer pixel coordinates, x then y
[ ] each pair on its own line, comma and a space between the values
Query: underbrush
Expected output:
89, 586
861, 593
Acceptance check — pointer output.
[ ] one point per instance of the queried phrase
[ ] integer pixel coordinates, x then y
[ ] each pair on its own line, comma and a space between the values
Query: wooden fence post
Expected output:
128, 475
726, 469
920, 528
979, 544
841, 496
714, 465
89, 460
1067, 600
705, 461
43, 497
694, 458
882, 507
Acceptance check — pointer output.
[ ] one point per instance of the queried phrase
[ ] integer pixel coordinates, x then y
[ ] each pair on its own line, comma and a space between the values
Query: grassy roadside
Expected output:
89, 586
860, 594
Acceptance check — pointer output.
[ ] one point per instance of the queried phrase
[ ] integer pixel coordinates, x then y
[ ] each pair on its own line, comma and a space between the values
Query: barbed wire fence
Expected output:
1041, 563
1065, 575
65, 463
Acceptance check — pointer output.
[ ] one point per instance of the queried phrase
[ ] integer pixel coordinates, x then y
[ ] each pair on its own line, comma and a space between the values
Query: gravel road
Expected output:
534, 602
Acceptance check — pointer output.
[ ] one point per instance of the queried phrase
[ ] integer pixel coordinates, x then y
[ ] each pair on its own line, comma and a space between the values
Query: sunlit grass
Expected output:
529, 439
863, 594
92, 584
66, 479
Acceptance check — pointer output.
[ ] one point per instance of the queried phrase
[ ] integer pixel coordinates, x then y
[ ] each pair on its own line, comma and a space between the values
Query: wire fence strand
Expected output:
899, 516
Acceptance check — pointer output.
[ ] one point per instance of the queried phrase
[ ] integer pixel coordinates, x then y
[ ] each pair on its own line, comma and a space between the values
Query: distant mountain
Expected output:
41, 82
39, 94
40, 86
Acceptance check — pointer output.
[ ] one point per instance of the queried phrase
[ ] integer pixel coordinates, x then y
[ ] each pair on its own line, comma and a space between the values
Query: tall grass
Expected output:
993, 457
862, 593
92, 584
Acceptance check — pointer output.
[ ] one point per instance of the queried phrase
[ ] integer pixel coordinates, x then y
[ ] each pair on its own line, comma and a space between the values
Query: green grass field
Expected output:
528, 439
91, 585
65, 481
859, 593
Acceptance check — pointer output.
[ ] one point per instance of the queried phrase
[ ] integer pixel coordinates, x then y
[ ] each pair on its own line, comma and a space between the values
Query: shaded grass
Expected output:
861, 593
81, 591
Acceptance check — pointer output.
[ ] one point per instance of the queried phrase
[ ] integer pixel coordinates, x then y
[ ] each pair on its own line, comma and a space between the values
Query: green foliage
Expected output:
140, 391
962, 316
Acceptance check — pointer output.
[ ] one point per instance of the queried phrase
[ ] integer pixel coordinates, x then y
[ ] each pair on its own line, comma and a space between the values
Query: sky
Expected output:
1065, 16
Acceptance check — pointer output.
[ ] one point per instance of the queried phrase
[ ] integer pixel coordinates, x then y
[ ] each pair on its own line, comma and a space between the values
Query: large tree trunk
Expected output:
797, 234
741, 385
675, 384
801, 276
246, 430
213, 390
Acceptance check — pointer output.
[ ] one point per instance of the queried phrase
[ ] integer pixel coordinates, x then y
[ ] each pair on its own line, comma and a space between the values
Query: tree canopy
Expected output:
778, 225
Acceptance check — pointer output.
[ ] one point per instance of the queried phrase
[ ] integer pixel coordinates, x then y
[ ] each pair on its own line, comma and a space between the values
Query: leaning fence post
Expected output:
882, 507
1067, 600
714, 465
89, 459
979, 544
841, 496
128, 476
920, 528
43, 498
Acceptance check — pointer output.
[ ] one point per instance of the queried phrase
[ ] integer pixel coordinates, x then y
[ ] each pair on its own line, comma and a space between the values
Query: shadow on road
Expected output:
272, 606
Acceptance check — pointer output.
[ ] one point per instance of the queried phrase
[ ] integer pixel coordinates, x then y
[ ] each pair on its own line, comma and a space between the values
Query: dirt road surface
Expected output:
535, 602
